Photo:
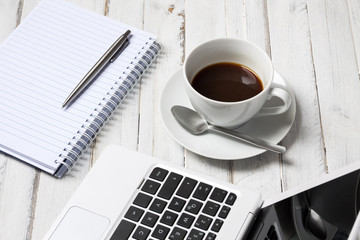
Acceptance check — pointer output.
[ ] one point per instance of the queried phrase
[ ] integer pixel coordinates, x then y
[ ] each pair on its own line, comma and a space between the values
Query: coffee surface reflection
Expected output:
227, 82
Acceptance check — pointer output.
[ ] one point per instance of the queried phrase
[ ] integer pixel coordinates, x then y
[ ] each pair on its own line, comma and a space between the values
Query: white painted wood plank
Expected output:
28, 6
257, 24
52, 194
16, 178
8, 17
291, 55
122, 128
249, 20
236, 18
128, 12
165, 19
16, 198
332, 43
205, 20
337, 78
261, 174
354, 15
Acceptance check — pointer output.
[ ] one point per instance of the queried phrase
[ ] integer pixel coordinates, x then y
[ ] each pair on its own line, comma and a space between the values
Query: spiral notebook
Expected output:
42, 61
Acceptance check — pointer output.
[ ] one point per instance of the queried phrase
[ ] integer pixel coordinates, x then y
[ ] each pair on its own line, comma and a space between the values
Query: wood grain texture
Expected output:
205, 20
314, 45
354, 10
51, 193
17, 180
260, 173
10, 13
337, 77
291, 52
166, 19
122, 127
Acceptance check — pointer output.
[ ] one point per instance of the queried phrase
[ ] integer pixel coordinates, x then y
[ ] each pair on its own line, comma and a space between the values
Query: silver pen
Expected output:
109, 56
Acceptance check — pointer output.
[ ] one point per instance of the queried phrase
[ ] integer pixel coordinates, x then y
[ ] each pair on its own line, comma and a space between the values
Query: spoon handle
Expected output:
249, 139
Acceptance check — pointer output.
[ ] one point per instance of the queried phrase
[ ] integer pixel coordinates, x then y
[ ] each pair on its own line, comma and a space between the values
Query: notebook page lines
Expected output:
42, 62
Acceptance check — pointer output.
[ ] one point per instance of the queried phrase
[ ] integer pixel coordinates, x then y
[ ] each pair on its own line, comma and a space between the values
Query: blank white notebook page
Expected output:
41, 62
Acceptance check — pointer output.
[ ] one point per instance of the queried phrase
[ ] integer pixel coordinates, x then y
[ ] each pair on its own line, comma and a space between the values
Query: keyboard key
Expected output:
177, 204
134, 213
141, 233
123, 230
142, 200
217, 225
195, 235
211, 208
193, 206
186, 220
192, 197
210, 236
158, 205
177, 234
171, 183
169, 218
150, 219
150, 187
218, 195
224, 212
202, 191
231, 199
186, 187
203, 222
158, 174
160, 232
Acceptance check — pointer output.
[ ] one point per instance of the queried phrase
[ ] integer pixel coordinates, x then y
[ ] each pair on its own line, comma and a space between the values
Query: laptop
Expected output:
129, 195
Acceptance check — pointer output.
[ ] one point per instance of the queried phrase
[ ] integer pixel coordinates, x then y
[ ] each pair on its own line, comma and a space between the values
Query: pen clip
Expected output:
121, 49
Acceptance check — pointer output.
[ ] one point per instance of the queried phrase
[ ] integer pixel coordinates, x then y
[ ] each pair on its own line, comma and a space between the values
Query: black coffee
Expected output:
227, 82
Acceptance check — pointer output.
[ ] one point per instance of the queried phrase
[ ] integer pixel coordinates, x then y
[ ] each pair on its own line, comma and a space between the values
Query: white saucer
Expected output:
212, 145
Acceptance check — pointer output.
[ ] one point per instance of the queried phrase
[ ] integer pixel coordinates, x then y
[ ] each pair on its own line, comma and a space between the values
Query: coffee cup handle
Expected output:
281, 92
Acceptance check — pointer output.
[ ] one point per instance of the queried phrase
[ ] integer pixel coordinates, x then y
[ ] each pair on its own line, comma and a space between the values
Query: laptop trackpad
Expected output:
79, 223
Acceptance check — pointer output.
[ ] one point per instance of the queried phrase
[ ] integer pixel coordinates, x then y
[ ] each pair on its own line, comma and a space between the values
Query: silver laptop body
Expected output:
128, 195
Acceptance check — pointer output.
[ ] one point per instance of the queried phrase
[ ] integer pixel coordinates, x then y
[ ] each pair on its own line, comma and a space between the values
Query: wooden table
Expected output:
314, 45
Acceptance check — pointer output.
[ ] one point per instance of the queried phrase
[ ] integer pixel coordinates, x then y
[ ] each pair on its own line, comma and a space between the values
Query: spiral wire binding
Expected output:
101, 115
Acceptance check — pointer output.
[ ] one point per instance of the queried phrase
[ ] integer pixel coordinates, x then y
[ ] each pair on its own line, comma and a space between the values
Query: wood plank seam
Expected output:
35, 184
326, 168
19, 12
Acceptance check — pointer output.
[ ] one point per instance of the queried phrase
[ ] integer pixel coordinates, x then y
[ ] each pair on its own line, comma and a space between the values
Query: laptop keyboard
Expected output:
176, 207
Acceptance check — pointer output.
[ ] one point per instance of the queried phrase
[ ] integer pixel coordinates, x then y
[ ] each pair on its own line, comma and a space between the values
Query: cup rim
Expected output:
231, 39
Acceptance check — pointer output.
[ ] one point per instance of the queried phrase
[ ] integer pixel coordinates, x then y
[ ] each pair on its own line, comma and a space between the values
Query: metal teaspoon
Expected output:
195, 124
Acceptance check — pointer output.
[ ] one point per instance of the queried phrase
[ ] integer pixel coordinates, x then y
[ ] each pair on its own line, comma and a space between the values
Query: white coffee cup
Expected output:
234, 114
